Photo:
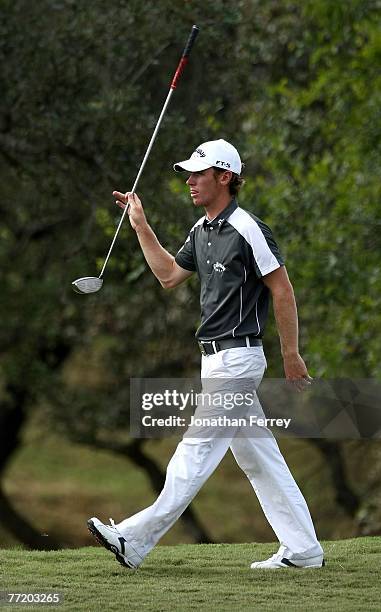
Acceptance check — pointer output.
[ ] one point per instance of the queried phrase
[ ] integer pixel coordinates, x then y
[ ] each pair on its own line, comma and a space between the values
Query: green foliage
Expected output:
295, 85
316, 137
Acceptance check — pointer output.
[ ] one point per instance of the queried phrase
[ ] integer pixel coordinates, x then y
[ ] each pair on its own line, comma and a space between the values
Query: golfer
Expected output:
239, 266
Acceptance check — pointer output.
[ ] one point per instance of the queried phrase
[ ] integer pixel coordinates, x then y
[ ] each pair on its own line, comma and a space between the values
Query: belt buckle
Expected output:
202, 348
215, 347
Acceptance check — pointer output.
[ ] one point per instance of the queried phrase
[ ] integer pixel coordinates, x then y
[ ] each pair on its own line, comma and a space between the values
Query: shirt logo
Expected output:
219, 267
200, 152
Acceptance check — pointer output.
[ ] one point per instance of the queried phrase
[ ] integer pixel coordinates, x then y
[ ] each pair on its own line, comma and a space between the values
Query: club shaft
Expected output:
176, 77
153, 138
138, 176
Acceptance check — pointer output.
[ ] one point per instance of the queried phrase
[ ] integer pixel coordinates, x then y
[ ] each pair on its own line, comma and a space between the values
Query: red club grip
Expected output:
184, 58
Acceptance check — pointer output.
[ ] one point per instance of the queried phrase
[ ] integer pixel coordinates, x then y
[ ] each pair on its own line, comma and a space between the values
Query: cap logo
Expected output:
200, 152
222, 163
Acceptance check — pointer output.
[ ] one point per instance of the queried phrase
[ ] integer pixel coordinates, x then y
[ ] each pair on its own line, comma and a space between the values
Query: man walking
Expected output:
239, 265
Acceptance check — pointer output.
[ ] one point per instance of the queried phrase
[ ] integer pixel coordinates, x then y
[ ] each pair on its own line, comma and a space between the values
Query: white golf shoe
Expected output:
281, 559
109, 537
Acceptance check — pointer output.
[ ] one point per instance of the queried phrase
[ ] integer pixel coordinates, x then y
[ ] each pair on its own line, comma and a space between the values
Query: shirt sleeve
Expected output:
268, 256
184, 257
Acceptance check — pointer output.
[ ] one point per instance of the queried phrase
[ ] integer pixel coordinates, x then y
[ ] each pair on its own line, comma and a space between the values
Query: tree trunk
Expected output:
12, 419
345, 497
21, 529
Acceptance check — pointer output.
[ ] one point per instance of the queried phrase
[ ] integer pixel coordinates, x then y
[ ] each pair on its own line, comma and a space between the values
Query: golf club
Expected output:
91, 284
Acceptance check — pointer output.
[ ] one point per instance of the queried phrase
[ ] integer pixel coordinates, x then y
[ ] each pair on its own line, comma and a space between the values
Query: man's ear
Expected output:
226, 177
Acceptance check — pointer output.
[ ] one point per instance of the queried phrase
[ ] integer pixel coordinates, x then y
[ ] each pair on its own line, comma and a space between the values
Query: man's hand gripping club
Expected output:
162, 263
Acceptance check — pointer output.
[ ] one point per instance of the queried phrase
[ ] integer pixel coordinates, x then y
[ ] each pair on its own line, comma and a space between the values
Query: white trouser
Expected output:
199, 453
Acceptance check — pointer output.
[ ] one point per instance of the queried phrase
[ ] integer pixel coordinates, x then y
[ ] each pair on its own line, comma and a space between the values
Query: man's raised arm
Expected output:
162, 263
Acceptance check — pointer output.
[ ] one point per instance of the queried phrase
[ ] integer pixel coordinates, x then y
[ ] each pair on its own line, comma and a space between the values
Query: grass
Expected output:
199, 577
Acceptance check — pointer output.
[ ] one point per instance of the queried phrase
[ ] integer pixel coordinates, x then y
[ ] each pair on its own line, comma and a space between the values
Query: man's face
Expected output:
205, 187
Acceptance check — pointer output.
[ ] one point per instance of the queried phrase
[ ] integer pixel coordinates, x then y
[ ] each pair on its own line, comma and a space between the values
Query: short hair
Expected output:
236, 181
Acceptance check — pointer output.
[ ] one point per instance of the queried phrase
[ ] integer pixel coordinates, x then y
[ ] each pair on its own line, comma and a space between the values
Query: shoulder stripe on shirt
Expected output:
252, 233
201, 220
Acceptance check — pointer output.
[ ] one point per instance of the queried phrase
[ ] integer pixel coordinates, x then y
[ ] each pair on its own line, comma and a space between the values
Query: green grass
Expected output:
199, 577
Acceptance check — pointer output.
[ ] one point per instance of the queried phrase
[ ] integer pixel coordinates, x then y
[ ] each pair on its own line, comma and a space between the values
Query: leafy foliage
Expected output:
295, 85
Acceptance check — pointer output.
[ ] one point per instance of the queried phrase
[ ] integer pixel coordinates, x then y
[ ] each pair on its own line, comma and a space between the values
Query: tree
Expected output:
78, 107
294, 85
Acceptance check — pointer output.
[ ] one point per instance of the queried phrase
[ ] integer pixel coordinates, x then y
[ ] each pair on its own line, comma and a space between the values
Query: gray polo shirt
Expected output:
231, 254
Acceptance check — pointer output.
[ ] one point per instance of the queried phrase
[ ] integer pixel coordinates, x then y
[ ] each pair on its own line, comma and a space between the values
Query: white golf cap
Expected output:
218, 153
